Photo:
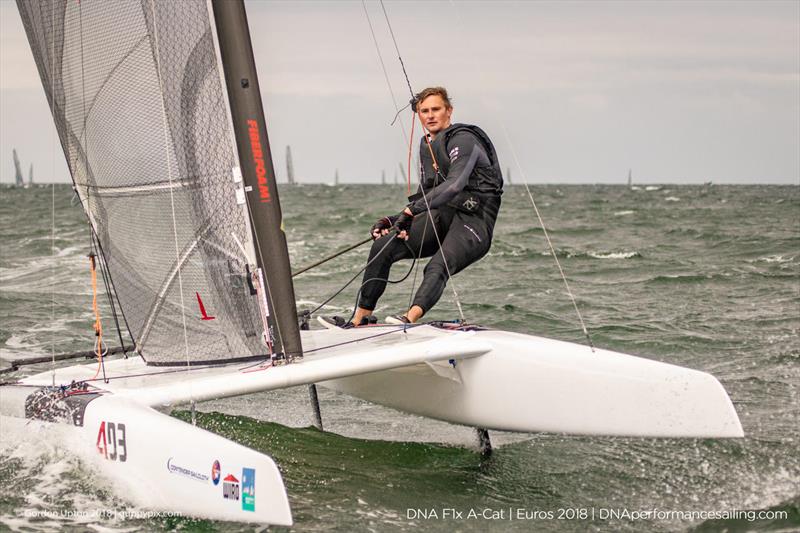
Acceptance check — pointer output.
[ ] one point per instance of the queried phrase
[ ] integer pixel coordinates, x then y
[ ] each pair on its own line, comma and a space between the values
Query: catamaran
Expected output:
160, 118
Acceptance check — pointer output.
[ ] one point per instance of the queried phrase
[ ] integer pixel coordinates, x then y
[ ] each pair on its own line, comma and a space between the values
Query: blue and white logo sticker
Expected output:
248, 489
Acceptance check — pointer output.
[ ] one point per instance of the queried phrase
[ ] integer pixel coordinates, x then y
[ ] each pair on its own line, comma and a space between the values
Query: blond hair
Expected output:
431, 91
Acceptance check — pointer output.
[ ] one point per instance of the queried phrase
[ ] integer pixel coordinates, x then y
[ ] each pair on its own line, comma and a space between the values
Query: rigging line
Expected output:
362, 339
320, 306
107, 283
535, 208
410, 147
393, 282
171, 195
53, 193
436, 169
98, 325
547, 238
85, 134
397, 48
436, 233
53, 282
383, 67
334, 256
419, 256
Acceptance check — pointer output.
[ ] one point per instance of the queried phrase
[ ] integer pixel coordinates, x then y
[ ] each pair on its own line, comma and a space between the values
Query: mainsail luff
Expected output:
258, 171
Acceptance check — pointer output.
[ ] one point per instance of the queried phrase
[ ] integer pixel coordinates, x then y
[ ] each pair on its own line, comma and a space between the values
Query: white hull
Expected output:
500, 380
533, 384
163, 464
487, 379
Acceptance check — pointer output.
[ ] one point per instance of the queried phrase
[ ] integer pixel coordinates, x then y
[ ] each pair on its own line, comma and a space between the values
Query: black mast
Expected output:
258, 172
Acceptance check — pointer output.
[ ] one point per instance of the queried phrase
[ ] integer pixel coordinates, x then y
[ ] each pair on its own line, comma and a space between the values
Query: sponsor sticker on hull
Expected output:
215, 472
230, 488
248, 489
186, 472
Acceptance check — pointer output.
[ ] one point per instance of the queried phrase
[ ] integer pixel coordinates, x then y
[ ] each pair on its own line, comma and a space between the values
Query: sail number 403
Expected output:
111, 441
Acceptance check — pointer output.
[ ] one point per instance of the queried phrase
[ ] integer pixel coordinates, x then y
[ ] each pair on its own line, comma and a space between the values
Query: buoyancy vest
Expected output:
485, 183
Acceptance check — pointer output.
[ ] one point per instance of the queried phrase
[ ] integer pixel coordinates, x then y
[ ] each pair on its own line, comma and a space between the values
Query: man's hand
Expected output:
403, 224
382, 227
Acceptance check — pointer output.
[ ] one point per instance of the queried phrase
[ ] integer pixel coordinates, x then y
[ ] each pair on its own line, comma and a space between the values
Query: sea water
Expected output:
706, 277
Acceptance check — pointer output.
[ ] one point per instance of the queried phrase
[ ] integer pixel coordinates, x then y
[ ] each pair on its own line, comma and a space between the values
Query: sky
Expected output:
570, 92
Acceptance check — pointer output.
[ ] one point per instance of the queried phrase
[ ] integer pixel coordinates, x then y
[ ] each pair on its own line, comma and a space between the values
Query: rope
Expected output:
334, 256
98, 251
419, 255
402, 65
435, 164
438, 240
405, 277
171, 195
536, 210
98, 325
385, 73
410, 149
547, 238
337, 293
53, 196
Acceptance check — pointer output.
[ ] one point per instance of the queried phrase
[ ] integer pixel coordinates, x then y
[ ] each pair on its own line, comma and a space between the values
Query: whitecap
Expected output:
775, 259
623, 213
672, 199
613, 255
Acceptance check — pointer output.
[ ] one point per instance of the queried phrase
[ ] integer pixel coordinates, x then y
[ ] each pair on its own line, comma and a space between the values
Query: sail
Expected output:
137, 94
17, 170
289, 166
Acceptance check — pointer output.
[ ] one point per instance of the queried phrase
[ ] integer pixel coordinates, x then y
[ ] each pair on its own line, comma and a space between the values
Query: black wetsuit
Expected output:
464, 199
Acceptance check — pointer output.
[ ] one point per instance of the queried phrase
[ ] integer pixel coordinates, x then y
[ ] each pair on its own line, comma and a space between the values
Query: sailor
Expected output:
456, 205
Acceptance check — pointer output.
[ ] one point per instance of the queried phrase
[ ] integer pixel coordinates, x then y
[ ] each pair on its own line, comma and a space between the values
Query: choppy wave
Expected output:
595, 254
775, 259
692, 283
614, 255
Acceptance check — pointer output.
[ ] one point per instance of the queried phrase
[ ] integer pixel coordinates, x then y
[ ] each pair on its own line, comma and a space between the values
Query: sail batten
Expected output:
145, 127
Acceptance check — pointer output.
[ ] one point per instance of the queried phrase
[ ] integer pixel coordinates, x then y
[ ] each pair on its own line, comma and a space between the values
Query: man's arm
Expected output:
466, 152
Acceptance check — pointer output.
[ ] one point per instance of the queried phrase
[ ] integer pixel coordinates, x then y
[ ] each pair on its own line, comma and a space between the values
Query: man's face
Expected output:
434, 113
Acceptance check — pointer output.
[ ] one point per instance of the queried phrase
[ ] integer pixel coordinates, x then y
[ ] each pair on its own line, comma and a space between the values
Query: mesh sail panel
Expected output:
135, 90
